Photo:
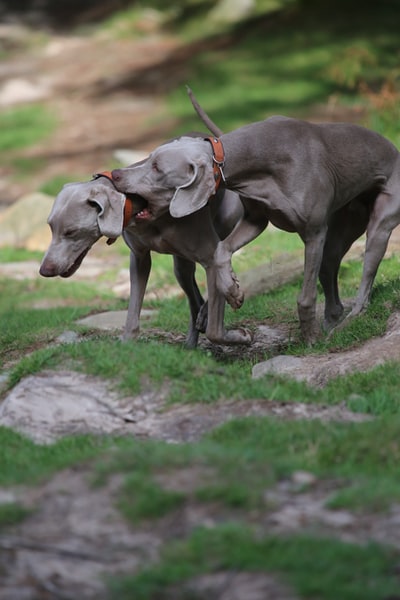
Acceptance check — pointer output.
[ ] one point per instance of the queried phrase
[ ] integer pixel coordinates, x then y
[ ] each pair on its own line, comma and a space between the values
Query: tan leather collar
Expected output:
218, 159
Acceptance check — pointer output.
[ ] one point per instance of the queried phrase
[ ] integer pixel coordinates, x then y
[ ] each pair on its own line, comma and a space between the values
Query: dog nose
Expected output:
48, 269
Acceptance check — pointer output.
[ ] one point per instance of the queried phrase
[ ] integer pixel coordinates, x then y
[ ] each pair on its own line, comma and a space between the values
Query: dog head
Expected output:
81, 214
176, 177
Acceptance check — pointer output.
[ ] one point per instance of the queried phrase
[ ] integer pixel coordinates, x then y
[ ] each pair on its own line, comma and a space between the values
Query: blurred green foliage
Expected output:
23, 126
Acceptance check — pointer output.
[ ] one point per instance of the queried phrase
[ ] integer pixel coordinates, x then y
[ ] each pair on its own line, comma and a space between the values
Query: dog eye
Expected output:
69, 233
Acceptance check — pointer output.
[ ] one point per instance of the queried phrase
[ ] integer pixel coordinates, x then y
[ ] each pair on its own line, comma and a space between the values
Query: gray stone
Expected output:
230, 11
67, 337
49, 405
281, 365
317, 370
112, 320
24, 223
230, 585
128, 157
20, 90
3, 380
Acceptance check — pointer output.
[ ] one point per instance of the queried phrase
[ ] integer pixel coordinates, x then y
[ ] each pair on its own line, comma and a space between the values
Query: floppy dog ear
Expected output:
110, 210
194, 194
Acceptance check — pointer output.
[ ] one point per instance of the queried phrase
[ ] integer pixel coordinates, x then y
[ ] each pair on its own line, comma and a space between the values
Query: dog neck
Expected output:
218, 159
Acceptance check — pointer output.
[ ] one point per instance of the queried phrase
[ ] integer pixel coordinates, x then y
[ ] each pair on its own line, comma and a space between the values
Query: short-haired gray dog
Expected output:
327, 182
84, 212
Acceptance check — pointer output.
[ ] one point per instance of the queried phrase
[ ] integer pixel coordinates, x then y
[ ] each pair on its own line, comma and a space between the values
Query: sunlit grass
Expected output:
24, 126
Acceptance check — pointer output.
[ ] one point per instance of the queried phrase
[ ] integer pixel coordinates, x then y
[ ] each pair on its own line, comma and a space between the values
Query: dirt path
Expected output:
93, 86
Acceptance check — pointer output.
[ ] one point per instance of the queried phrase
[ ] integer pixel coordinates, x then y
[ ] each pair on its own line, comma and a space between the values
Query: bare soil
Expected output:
96, 88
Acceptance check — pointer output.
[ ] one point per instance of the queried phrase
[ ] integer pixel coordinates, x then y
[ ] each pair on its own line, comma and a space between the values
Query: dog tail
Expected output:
211, 126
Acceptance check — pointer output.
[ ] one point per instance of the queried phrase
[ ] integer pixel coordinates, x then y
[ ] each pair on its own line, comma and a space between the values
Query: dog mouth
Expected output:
140, 208
75, 266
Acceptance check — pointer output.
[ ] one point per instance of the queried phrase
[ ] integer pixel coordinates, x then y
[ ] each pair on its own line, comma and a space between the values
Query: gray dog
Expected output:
326, 182
84, 212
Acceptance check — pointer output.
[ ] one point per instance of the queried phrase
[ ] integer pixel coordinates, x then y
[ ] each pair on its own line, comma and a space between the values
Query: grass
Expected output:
54, 185
240, 460
293, 65
22, 127
23, 462
26, 328
12, 514
9, 254
290, 65
314, 568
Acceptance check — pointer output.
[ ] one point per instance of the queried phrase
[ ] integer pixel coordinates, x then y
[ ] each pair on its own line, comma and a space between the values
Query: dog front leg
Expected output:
185, 274
216, 331
140, 265
226, 279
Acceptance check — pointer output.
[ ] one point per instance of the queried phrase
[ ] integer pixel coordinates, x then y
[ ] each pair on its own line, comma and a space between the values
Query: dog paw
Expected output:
233, 294
228, 285
311, 333
238, 336
234, 337
235, 297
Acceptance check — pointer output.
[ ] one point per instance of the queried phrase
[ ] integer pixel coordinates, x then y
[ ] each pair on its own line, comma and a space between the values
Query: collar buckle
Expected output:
218, 160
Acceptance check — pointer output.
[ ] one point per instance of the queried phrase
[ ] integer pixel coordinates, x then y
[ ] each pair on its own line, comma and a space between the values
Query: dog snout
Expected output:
48, 269
116, 175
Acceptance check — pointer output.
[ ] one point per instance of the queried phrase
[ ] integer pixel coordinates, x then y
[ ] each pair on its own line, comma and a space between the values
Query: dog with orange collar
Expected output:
86, 211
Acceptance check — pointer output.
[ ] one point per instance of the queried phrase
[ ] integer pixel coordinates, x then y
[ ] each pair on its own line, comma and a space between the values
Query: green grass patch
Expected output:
196, 376
246, 456
58, 304
9, 254
24, 126
53, 186
323, 569
23, 462
345, 451
12, 514
142, 498
26, 166
292, 65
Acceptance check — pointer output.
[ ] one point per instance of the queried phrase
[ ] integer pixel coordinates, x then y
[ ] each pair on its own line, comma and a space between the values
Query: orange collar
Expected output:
218, 159
128, 207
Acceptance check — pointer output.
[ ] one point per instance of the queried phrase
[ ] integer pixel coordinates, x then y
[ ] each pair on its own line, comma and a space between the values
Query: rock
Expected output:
112, 319
284, 268
229, 585
230, 11
67, 337
28, 269
53, 404
281, 365
303, 478
24, 223
16, 91
128, 157
318, 370
3, 380
7, 497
